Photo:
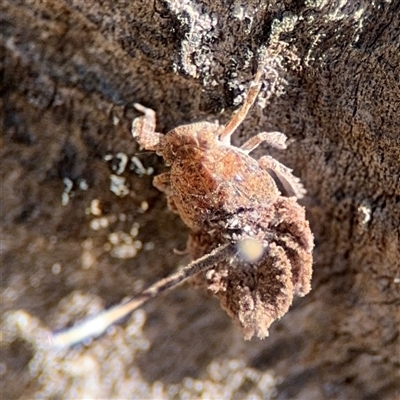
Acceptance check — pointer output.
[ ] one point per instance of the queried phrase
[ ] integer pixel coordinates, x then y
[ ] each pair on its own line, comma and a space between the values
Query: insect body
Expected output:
228, 200
225, 196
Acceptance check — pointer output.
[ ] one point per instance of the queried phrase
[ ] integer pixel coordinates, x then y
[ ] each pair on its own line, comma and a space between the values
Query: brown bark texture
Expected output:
80, 230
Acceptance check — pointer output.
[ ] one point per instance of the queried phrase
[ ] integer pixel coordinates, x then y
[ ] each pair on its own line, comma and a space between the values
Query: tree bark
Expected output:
71, 72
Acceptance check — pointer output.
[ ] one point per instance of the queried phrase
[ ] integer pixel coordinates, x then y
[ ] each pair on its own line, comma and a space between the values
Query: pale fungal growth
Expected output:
250, 239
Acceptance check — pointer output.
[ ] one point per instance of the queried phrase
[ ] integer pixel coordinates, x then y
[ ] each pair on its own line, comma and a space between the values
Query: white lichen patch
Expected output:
227, 379
100, 371
122, 245
95, 208
103, 222
56, 268
135, 229
119, 162
364, 214
139, 169
116, 120
123, 161
67, 193
107, 368
83, 185
88, 258
118, 186
144, 206
363, 217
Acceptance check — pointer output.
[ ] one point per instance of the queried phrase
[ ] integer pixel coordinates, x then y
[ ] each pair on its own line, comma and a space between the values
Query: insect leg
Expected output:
163, 182
240, 115
290, 183
143, 129
272, 139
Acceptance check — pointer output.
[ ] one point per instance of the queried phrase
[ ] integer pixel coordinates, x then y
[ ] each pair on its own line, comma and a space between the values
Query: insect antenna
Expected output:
97, 325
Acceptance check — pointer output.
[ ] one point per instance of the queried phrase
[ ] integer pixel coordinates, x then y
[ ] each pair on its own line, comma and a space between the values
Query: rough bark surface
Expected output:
70, 72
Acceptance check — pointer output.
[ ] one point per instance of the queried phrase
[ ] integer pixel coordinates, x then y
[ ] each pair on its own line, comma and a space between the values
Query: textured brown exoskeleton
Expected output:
228, 200
224, 195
